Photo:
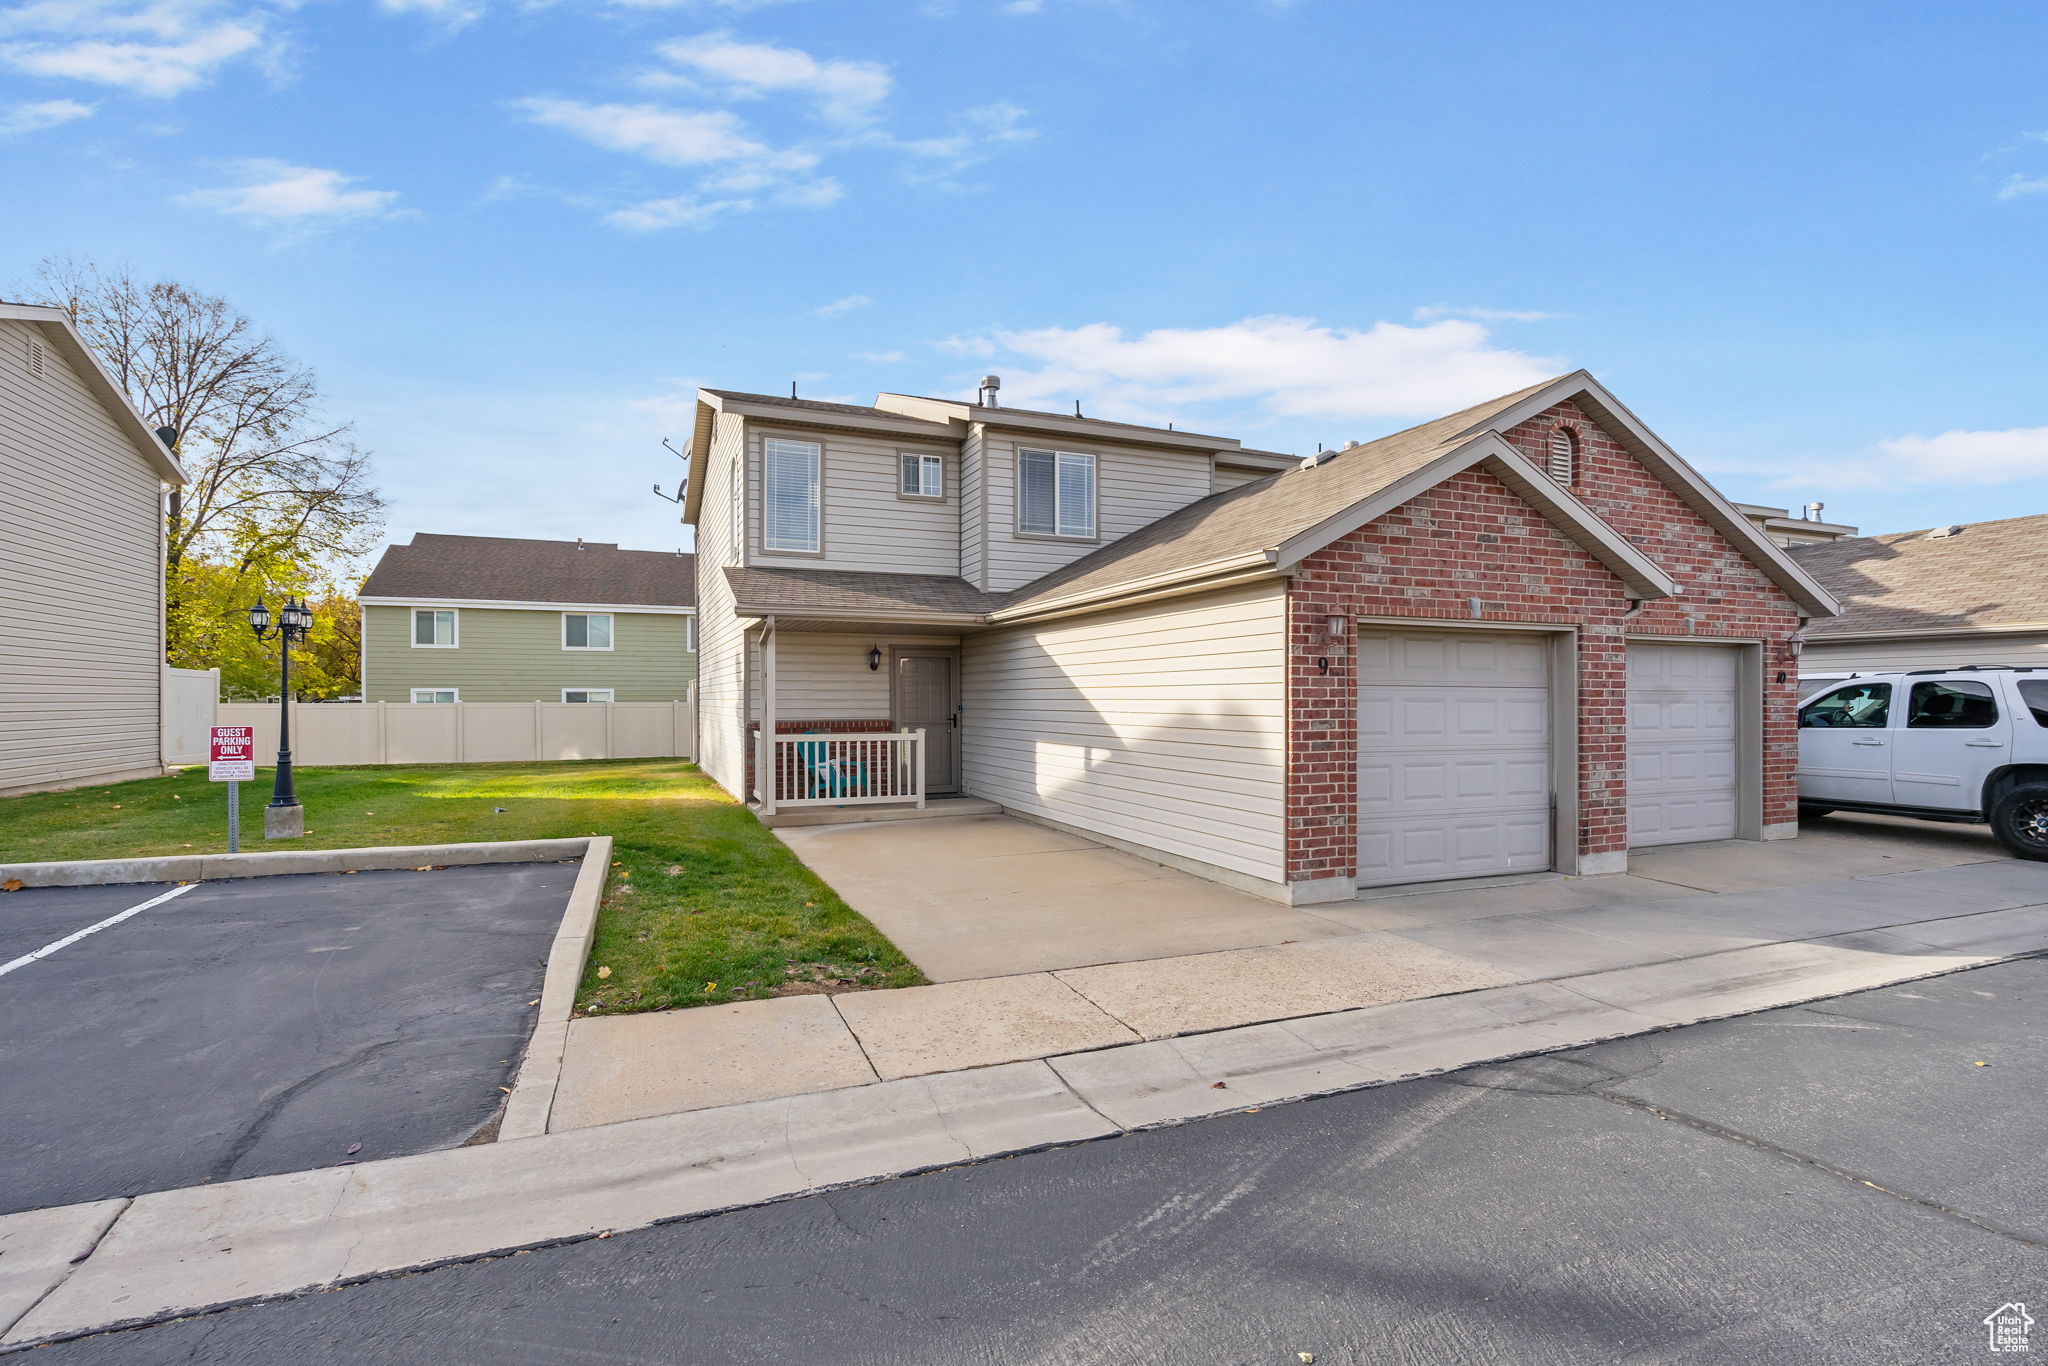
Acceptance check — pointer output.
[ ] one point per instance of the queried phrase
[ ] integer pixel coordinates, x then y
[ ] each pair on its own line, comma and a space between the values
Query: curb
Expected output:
533, 1094
216, 867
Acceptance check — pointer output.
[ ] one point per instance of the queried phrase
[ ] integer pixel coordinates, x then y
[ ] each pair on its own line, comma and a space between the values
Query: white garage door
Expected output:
1681, 743
1453, 755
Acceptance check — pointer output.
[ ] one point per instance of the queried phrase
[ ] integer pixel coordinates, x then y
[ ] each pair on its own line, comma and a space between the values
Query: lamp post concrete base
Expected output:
284, 822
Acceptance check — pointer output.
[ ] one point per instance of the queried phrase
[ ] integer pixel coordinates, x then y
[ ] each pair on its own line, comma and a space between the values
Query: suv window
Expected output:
1959, 705
1862, 705
2034, 692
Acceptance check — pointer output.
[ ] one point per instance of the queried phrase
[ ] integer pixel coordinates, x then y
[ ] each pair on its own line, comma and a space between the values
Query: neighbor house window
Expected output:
790, 500
690, 634
1564, 456
586, 630
586, 694
433, 628
1055, 493
924, 476
436, 694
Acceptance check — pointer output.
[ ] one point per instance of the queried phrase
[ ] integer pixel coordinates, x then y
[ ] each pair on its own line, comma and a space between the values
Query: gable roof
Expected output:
504, 569
1986, 576
64, 337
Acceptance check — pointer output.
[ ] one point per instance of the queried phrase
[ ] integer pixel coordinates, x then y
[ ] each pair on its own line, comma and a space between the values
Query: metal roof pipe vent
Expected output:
990, 384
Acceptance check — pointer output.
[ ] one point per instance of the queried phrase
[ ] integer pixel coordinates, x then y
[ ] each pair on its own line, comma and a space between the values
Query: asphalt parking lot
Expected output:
265, 1025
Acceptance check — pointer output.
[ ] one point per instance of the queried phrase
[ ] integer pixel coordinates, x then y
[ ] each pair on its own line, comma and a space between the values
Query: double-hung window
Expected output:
790, 498
433, 628
1055, 493
586, 630
924, 476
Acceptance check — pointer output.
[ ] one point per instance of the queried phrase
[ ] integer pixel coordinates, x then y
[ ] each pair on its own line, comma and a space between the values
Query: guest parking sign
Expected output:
232, 758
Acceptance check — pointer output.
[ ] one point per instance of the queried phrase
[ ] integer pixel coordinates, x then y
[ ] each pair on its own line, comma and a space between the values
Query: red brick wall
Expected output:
1473, 537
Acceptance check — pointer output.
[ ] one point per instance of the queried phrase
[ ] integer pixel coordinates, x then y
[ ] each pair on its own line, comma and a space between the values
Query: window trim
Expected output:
818, 549
611, 632
921, 457
412, 623
454, 696
611, 695
1094, 459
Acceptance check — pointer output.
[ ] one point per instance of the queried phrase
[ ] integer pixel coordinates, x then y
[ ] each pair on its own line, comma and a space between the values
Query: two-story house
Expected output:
1523, 636
497, 619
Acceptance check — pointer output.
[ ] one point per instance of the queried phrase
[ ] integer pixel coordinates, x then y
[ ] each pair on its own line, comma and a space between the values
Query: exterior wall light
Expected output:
874, 659
1337, 624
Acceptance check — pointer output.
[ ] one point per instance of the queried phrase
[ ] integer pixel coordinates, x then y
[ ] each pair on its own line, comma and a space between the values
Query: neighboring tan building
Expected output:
494, 619
1525, 636
82, 481
1975, 593
1781, 526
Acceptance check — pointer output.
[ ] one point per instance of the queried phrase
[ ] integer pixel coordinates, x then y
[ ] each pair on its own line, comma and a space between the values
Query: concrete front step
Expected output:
860, 815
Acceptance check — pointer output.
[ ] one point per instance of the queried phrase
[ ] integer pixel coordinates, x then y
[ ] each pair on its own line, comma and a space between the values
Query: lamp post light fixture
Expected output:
284, 818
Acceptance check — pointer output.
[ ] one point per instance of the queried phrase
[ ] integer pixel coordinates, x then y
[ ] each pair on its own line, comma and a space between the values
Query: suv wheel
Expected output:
2020, 820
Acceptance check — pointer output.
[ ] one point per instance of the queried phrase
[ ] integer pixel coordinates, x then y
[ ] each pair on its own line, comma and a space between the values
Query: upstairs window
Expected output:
923, 476
433, 628
790, 501
1055, 493
586, 630
1564, 456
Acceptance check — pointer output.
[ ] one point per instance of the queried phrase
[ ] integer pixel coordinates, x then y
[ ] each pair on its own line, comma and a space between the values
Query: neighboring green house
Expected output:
493, 619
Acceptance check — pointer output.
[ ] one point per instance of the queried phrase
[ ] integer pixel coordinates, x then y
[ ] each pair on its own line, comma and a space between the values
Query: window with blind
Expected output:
790, 501
924, 476
1055, 493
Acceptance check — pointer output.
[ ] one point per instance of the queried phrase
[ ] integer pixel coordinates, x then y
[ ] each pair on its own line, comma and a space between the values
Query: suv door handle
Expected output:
1866, 742
1985, 744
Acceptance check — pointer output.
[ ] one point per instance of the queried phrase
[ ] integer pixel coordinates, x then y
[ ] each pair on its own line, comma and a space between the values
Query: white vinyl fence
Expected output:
188, 703
326, 733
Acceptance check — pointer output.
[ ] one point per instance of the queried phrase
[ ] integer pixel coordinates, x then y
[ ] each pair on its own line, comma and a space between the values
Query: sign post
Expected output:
231, 759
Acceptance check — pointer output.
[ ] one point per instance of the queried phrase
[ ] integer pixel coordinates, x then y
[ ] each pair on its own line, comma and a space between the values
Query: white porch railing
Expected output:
840, 770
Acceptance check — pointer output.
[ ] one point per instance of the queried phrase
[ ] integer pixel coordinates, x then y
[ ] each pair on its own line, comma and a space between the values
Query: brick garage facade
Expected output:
1472, 537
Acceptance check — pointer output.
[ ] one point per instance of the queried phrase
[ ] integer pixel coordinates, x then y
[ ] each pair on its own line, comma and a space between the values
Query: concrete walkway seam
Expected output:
533, 1095
282, 862
406, 1214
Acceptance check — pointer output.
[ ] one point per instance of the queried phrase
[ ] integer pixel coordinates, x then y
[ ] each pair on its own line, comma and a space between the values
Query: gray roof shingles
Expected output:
1988, 574
504, 569
848, 590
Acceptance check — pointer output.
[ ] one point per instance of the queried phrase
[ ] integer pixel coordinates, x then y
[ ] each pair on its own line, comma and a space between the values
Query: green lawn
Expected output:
703, 904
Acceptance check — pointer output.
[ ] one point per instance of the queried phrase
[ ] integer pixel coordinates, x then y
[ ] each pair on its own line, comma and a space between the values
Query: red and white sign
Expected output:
233, 755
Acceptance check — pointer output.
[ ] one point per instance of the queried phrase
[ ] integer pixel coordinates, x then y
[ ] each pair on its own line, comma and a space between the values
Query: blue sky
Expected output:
1808, 244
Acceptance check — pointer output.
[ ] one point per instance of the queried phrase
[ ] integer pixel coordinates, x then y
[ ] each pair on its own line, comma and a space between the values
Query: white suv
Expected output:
1967, 744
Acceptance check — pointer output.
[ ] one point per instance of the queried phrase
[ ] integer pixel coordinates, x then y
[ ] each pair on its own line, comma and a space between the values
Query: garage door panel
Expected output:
1454, 755
1682, 734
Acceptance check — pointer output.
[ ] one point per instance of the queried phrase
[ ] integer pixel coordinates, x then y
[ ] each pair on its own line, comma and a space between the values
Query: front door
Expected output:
924, 696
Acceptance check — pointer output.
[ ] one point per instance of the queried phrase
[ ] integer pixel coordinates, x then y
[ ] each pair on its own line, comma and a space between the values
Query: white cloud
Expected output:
1430, 313
149, 47
881, 357
1285, 367
846, 92
845, 305
679, 212
275, 192
2017, 185
2012, 456
977, 134
18, 119
453, 13
670, 137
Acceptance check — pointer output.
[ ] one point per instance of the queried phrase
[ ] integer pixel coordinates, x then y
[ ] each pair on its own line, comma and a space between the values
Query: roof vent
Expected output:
35, 359
990, 385
1942, 533
579, 543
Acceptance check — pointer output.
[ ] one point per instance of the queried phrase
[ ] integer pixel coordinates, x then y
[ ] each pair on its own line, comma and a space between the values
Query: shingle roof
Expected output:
809, 404
1262, 514
1987, 574
500, 568
848, 590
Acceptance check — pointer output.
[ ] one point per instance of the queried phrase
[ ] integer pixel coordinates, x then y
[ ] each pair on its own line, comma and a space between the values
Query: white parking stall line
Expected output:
46, 950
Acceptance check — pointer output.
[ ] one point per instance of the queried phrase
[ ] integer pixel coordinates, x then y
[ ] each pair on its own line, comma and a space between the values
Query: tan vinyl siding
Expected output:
866, 523
517, 656
1228, 478
824, 675
81, 580
721, 645
1134, 487
2028, 649
973, 494
1163, 725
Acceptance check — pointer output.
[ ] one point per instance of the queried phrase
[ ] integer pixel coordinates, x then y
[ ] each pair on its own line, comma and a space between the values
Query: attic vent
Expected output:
1564, 455
1943, 532
35, 359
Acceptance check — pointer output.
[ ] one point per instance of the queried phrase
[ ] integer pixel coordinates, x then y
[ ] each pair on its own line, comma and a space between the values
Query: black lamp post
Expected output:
284, 818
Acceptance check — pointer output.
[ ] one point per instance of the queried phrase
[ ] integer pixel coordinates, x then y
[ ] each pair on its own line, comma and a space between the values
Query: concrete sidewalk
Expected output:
1680, 903
79, 1269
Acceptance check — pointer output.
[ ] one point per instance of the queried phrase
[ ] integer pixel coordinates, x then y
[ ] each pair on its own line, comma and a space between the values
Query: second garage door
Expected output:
1681, 743
1453, 755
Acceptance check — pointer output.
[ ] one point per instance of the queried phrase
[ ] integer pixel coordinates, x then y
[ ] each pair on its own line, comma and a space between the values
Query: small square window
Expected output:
924, 476
436, 694
433, 628
586, 630
586, 694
